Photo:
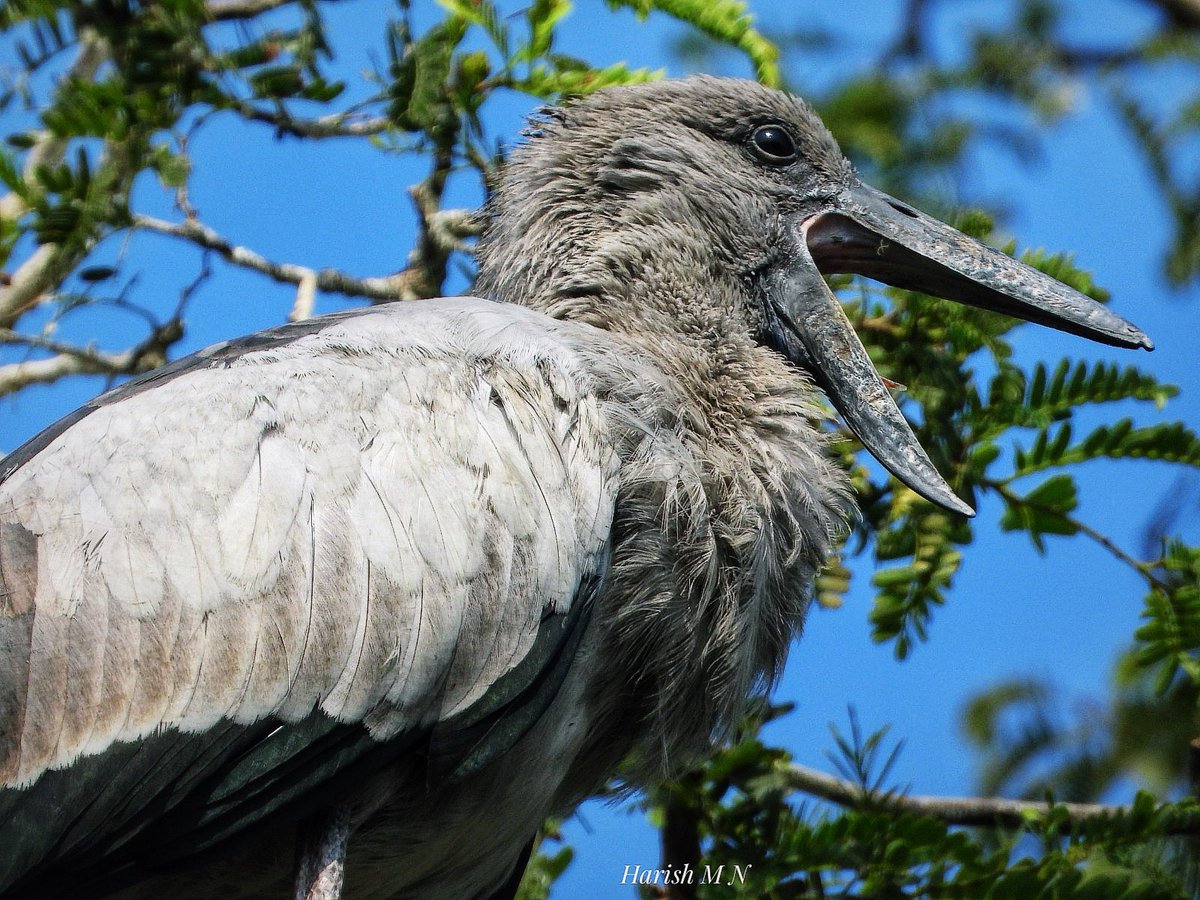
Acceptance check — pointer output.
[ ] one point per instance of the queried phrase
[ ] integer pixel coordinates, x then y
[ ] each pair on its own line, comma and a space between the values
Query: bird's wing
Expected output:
314, 549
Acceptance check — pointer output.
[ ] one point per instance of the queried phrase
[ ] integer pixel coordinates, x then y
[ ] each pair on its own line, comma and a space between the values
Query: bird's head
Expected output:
725, 182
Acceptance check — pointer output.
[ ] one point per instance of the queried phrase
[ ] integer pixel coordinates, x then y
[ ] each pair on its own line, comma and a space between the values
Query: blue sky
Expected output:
1064, 616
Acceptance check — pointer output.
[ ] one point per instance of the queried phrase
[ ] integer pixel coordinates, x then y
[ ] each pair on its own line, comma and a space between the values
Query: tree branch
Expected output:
910, 42
1096, 57
37, 276
406, 285
1146, 570
334, 125
987, 812
441, 230
681, 835
306, 297
71, 360
49, 265
226, 10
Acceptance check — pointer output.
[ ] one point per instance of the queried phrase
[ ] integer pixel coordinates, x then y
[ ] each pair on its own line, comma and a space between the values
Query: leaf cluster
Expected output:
988, 426
745, 814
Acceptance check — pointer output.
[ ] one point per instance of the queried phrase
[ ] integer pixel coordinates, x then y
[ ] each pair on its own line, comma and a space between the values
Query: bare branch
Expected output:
226, 10
910, 42
987, 812
306, 295
36, 277
1096, 57
71, 360
335, 125
441, 230
1145, 569
406, 285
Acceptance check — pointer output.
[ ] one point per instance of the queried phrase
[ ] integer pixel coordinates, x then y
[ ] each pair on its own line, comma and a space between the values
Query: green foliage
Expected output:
741, 810
1171, 442
725, 21
545, 867
1182, 263
1170, 637
1051, 397
1044, 510
907, 593
1031, 740
931, 347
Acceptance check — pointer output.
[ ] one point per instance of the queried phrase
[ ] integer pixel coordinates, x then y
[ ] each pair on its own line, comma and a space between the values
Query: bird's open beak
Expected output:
866, 232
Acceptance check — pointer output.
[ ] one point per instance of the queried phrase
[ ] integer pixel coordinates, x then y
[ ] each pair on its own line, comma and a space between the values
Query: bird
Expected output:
408, 579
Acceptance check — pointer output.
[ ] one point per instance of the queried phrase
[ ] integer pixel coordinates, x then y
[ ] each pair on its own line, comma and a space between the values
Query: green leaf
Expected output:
482, 13
543, 16
11, 178
322, 91
277, 82
567, 82
1170, 442
727, 21
425, 77
172, 168
1043, 510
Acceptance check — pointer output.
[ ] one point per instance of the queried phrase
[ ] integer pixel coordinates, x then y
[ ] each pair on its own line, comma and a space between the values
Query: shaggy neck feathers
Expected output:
727, 504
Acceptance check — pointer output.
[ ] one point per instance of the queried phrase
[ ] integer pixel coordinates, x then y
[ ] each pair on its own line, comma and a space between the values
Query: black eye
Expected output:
773, 144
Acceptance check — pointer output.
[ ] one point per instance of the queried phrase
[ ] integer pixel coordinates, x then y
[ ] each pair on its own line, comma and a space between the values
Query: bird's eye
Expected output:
773, 144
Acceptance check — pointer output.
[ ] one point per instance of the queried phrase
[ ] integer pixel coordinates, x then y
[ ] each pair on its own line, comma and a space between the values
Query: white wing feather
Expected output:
371, 519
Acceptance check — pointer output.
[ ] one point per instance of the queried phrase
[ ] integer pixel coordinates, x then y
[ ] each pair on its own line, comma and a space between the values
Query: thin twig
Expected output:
1143, 568
910, 41
1096, 57
987, 812
334, 125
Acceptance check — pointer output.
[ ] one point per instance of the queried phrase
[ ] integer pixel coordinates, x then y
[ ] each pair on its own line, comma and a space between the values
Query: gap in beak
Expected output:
838, 244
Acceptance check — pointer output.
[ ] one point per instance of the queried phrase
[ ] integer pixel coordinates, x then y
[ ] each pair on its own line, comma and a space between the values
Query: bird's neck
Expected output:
659, 289
727, 505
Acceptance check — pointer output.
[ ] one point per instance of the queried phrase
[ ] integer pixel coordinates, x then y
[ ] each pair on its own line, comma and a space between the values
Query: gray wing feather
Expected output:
369, 522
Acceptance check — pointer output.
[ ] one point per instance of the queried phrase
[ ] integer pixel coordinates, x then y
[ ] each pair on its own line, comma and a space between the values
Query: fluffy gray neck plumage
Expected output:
727, 503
